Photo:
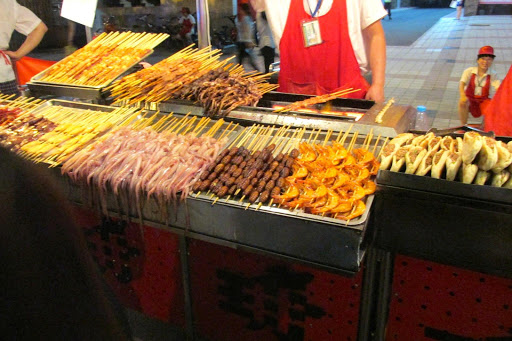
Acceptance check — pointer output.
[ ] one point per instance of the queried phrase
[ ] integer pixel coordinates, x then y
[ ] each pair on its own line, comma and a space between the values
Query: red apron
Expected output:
322, 68
477, 102
186, 27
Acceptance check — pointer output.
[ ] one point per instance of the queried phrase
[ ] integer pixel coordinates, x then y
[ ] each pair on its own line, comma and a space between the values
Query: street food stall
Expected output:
200, 250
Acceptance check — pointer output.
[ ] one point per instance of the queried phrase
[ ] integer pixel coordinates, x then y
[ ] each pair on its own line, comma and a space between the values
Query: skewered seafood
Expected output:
323, 184
196, 75
146, 163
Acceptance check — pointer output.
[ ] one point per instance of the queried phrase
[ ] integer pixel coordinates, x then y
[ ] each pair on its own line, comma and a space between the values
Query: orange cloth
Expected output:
28, 67
498, 114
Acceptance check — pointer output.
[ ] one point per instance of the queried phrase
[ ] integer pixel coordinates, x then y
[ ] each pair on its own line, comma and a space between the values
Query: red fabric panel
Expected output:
498, 114
28, 67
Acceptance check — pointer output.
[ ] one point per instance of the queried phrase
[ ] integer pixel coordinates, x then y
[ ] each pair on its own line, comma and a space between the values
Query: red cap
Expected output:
486, 50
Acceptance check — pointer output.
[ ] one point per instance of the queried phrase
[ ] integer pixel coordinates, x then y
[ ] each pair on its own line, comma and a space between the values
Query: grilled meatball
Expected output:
264, 196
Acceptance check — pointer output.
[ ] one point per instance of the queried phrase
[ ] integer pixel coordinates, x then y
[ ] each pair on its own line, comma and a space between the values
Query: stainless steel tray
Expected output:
36, 79
309, 239
442, 186
77, 105
398, 120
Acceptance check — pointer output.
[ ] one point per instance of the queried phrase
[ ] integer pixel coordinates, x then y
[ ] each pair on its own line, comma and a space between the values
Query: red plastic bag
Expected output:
498, 114
28, 67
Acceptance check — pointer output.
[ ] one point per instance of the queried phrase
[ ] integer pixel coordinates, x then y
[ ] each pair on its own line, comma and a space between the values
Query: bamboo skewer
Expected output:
346, 134
375, 145
353, 141
382, 147
316, 100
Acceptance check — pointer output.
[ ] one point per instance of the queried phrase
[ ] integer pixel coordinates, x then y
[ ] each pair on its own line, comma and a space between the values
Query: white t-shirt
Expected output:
245, 30
13, 17
360, 14
480, 82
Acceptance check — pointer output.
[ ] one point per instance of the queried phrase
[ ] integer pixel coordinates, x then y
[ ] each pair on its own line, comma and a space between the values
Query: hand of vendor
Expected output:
15, 56
250, 45
375, 93
463, 98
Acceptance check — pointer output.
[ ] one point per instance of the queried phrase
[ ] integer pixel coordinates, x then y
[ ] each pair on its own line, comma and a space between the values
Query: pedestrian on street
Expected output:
246, 35
460, 6
266, 42
187, 22
387, 6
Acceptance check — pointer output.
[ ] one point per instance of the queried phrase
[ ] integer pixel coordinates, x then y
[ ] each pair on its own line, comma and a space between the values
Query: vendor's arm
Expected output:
462, 91
33, 39
374, 35
464, 80
495, 82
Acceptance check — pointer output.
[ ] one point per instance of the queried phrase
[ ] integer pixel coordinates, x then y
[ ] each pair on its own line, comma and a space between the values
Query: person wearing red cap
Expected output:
187, 22
475, 85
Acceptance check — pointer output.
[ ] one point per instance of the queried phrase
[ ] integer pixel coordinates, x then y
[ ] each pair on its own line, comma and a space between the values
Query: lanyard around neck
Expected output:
318, 5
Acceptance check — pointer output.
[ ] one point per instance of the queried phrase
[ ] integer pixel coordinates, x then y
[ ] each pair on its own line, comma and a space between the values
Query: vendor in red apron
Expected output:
15, 17
329, 45
475, 85
187, 22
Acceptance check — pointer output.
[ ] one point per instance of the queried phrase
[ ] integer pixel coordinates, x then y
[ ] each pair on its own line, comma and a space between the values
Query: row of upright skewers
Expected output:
275, 167
140, 156
197, 75
52, 133
11, 107
154, 157
103, 59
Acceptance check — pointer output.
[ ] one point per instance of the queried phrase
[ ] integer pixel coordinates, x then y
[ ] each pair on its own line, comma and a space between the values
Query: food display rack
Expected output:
449, 222
323, 242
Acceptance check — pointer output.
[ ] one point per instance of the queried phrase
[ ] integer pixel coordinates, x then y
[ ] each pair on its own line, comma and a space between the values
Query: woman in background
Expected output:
246, 34
460, 5
266, 41
187, 22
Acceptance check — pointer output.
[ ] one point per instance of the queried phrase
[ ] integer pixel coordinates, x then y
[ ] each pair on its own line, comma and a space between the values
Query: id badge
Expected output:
311, 32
